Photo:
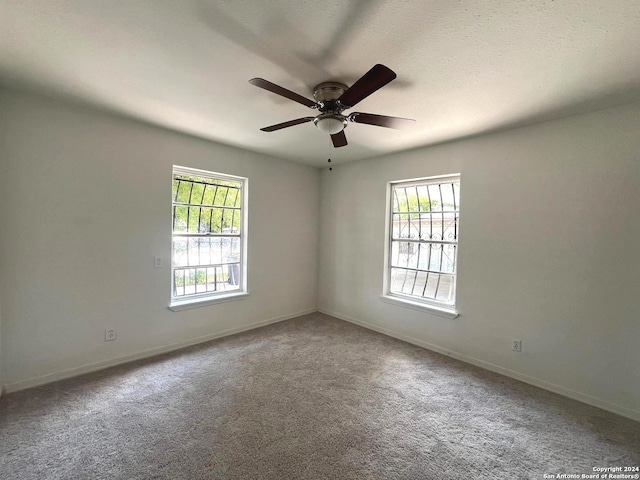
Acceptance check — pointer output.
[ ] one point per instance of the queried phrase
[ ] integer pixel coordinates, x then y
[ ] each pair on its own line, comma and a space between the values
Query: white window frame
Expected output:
448, 310
209, 298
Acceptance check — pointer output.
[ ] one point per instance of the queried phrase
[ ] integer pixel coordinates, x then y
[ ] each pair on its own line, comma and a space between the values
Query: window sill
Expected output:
205, 302
422, 307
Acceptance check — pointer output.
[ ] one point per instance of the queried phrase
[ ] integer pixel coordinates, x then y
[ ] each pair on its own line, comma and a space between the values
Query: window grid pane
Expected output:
424, 237
207, 236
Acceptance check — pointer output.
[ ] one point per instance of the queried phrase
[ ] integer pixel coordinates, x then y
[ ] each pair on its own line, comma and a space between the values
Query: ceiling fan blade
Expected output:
371, 81
277, 89
381, 120
339, 139
290, 123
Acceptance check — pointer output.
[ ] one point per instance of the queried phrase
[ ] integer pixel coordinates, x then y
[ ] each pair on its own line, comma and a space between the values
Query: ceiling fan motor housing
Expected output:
326, 95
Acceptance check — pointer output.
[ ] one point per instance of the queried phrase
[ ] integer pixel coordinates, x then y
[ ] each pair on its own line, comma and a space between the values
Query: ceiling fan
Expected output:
332, 98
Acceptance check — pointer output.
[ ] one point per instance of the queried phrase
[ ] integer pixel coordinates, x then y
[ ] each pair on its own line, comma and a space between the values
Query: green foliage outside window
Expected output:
217, 205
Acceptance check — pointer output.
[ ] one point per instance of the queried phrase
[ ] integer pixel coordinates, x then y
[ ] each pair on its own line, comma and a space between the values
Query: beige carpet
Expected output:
309, 398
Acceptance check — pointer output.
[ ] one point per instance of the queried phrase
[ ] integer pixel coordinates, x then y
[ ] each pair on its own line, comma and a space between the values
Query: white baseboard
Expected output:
74, 372
581, 397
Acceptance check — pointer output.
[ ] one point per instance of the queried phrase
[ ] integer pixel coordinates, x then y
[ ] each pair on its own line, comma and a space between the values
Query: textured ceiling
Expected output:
464, 67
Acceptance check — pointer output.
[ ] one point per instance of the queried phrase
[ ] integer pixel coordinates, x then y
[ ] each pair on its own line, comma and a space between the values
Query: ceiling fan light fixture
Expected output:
330, 123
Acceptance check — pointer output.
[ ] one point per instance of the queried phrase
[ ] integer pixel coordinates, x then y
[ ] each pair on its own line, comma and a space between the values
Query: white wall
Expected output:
563, 276
1, 383
85, 207
3, 173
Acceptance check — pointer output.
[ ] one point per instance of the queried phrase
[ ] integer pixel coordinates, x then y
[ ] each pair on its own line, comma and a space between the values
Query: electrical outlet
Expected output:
110, 334
157, 262
517, 346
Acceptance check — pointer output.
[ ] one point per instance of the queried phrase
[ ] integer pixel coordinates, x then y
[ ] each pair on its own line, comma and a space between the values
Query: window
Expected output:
209, 227
423, 241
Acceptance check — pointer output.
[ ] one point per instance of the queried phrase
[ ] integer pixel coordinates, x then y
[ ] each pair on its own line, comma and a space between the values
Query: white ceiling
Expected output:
464, 67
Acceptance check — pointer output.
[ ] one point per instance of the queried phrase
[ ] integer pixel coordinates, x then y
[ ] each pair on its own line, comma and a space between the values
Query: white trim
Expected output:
192, 302
566, 392
206, 173
93, 367
416, 302
433, 180
420, 306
